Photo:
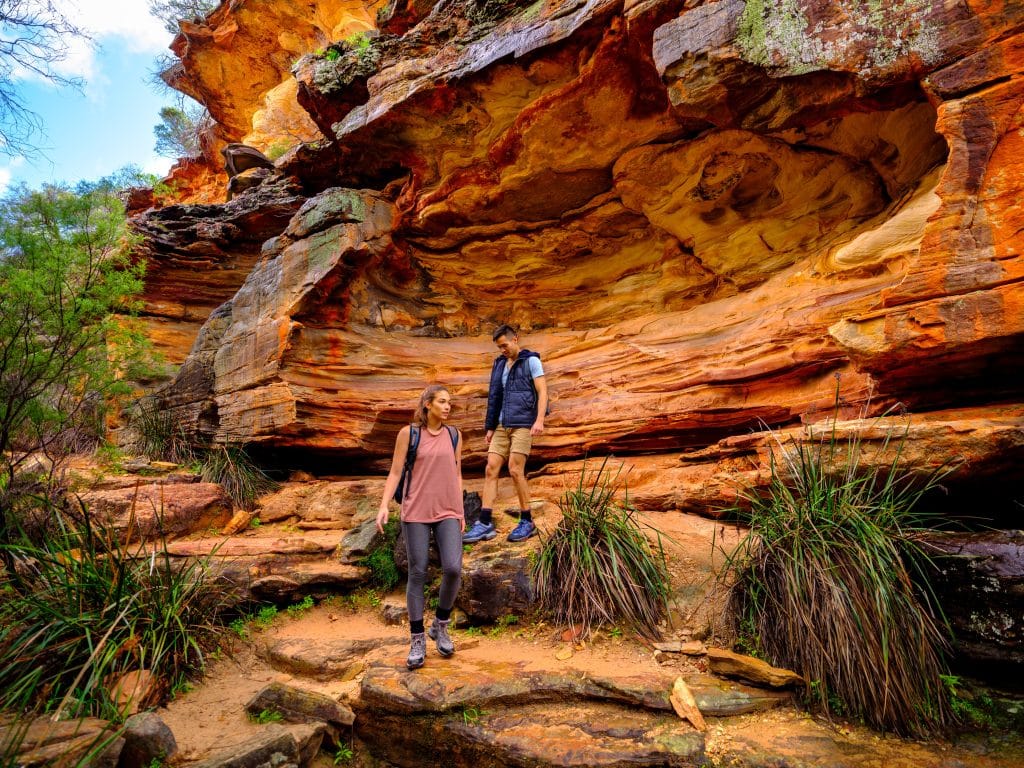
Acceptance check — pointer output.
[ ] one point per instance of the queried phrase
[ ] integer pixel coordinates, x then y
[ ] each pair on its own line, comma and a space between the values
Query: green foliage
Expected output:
180, 687
384, 574
278, 148
976, 708
301, 607
84, 608
598, 566
267, 716
179, 130
362, 599
823, 583
343, 754
265, 616
67, 342
472, 715
240, 626
503, 623
359, 41
242, 480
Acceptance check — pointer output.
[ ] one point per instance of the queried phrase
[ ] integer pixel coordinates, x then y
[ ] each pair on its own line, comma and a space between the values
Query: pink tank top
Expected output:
433, 492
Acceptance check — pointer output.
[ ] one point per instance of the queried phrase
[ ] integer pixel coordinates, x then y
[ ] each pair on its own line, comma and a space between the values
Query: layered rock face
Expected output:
698, 214
706, 216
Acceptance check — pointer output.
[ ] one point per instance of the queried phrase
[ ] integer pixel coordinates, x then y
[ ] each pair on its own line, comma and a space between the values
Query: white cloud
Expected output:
126, 23
158, 166
6, 172
129, 20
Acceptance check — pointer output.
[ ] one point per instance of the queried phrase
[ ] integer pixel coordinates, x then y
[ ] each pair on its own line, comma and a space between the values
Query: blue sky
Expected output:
109, 124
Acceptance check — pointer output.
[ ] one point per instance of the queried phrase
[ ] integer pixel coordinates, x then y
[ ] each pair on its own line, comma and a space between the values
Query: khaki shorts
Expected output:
515, 440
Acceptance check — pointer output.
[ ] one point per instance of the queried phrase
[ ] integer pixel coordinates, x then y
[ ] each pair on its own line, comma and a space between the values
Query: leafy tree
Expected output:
67, 290
177, 134
34, 38
170, 12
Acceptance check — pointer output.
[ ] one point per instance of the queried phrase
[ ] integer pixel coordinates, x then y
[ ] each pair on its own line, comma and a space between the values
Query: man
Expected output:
516, 403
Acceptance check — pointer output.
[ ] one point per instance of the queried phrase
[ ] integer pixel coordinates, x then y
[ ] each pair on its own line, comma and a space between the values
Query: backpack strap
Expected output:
414, 444
453, 433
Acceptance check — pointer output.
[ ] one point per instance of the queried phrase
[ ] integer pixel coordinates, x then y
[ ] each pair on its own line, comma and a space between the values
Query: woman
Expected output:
432, 502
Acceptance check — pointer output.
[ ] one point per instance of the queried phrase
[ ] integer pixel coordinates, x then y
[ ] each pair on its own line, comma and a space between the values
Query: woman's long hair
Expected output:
425, 400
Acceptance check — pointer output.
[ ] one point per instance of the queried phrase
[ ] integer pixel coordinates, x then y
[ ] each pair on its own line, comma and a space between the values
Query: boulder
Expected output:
299, 706
146, 739
151, 510
979, 581
63, 743
273, 745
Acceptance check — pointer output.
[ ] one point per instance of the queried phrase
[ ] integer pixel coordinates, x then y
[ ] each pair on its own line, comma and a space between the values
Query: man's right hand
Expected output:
488, 435
382, 518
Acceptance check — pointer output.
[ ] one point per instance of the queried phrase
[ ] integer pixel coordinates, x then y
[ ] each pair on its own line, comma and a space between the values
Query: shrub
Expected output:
824, 583
67, 346
156, 433
82, 609
598, 566
242, 480
384, 573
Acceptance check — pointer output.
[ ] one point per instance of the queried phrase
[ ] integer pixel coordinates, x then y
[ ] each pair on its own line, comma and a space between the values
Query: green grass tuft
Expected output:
598, 566
242, 480
84, 608
828, 582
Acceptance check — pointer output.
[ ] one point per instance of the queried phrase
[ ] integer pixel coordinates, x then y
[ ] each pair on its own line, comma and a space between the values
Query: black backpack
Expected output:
410, 457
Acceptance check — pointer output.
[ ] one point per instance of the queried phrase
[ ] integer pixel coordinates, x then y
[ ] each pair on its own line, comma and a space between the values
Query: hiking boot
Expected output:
523, 531
479, 532
438, 632
417, 651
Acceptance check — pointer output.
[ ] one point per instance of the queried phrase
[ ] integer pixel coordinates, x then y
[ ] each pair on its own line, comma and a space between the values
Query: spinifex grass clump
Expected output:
598, 566
831, 583
242, 480
156, 433
84, 608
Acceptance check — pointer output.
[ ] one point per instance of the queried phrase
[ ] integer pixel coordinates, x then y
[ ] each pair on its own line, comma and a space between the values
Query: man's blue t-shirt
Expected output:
536, 371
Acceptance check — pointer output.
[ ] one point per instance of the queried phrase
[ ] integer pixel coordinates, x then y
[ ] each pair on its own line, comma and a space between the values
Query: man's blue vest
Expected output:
519, 395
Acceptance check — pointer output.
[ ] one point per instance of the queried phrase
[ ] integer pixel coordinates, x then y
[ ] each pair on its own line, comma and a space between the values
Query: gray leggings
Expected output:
448, 534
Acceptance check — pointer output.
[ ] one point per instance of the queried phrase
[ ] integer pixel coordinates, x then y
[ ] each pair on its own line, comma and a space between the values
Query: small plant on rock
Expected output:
384, 573
267, 716
301, 607
343, 755
599, 566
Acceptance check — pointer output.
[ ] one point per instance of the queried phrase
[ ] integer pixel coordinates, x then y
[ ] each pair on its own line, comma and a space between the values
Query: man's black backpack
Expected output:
410, 457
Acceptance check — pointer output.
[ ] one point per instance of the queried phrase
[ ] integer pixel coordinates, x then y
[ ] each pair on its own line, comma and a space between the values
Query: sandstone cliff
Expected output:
707, 217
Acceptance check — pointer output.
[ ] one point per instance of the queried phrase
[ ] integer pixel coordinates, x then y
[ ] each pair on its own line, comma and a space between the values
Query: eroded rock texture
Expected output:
699, 213
707, 217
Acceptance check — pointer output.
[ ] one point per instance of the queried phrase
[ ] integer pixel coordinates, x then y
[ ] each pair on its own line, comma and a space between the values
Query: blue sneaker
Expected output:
523, 531
479, 532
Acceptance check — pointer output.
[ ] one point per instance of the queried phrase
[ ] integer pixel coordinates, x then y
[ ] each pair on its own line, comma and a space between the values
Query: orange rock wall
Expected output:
700, 214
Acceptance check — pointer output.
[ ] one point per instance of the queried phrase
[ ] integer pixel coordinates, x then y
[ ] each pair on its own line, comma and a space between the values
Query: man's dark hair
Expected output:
503, 330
